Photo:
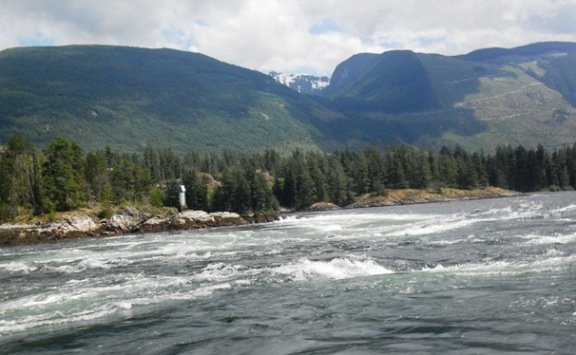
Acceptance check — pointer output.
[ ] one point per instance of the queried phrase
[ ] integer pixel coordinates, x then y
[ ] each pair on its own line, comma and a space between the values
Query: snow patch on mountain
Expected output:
303, 83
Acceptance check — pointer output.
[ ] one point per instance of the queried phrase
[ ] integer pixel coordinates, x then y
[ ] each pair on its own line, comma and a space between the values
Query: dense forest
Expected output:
62, 177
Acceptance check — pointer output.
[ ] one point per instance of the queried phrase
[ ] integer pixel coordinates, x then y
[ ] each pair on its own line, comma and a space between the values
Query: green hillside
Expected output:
129, 98
402, 97
132, 97
490, 97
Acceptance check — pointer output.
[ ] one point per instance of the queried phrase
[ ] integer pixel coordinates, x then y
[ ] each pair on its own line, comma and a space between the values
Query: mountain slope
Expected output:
131, 97
396, 82
523, 95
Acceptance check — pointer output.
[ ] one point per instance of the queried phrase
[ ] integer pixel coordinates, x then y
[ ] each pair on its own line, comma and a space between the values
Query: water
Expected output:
477, 277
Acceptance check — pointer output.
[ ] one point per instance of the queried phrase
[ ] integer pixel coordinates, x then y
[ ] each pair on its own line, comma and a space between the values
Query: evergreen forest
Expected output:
62, 177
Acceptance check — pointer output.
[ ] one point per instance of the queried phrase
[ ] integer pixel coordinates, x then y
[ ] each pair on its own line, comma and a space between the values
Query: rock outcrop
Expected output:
323, 206
125, 221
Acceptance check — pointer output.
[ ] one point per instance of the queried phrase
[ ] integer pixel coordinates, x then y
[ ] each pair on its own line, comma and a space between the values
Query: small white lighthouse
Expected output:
182, 198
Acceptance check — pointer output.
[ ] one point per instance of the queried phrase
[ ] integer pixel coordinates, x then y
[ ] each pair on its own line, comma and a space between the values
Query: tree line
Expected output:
62, 177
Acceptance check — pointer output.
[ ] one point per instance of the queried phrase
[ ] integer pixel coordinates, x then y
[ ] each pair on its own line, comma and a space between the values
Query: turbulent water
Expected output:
478, 277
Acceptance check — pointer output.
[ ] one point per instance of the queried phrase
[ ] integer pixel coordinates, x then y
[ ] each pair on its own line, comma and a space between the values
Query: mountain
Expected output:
524, 95
132, 97
303, 83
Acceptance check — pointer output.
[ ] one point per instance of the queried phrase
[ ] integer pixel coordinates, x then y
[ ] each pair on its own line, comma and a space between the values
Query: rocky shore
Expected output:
415, 196
125, 221
129, 220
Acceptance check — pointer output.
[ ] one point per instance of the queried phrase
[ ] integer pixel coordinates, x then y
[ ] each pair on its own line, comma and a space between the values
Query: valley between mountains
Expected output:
129, 98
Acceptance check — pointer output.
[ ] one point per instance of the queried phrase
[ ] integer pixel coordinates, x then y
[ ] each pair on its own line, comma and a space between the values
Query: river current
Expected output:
471, 277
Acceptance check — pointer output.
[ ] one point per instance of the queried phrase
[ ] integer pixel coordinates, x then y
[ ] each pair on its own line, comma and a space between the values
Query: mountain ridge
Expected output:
130, 97
521, 95
147, 96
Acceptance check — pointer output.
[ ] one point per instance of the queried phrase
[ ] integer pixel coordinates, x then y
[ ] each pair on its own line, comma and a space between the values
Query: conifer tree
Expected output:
20, 179
62, 172
196, 193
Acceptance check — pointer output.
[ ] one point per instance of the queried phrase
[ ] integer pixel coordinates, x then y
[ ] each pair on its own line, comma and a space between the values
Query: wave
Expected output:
437, 226
91, 299
569, 208
339, 217
87, 264
303, 269
338, 268
18, 267
56, 310
550, 262
77, 266
221, 272
55, 318
522, 211
554, 239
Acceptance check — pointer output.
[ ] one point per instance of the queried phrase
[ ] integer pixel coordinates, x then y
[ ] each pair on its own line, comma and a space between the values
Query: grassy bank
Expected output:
408, 196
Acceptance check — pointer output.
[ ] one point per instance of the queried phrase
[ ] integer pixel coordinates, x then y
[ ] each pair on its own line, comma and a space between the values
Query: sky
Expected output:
293, 36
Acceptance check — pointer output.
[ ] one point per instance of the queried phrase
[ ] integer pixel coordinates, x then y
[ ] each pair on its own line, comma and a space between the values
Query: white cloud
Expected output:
288, 35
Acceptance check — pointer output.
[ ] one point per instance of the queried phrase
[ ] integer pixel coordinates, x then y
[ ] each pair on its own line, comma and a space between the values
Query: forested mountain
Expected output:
130, 98
523, 95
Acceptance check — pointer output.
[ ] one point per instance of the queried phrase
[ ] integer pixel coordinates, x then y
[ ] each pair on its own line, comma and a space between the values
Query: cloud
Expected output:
288, 35
324, 26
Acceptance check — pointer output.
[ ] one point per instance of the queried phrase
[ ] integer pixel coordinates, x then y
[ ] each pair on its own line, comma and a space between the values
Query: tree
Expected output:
62, 174
338, 184
521, 169
170, 165
375, 167
196, 191
152, 163
20, 179
315, 164
97, 176
234, 193
130, 180
356, 167
420, 172
171, 196
396, 160
263, 199
447, 168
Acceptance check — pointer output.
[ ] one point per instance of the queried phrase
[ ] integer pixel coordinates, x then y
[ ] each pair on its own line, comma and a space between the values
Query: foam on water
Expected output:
338, 268
433, 227
18, 267
499, 267
220, 272
345, 221
303, 269
53, 319
92, 299
554, 239
523, 211
545, 263
70, 267
86, 264
98, 310
446, 242
569, 208
101, 281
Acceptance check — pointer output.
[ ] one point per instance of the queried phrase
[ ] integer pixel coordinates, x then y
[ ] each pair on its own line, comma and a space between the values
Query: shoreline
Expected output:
414, 196
403, 197
132, 221
126, 221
